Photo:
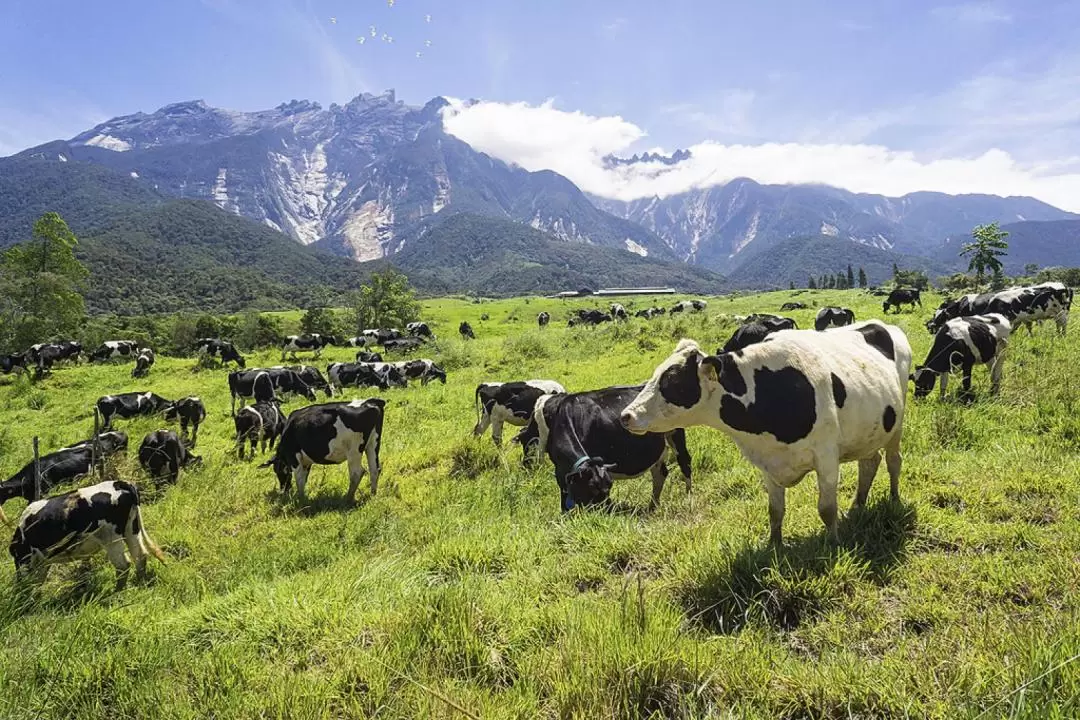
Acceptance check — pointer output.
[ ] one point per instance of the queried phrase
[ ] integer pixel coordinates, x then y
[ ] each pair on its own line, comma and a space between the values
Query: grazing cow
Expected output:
162, 454
902, 296
262, 422
747, 335
509, 402
379, 375
1020, 305
263, 384
773, 322
689, 306
330, 434
224, 350
618, 312
190, 411
143, 362
833, 317
963, 343
466, 331
114, 349
363, 356
309, 375
584, 438
419, 330
45, 355
130, 404
799, 401
12, 363
651, 312
591, 318
77, 525
402, 345
312, 342
62, 466
792, 306
423, 370
543, 319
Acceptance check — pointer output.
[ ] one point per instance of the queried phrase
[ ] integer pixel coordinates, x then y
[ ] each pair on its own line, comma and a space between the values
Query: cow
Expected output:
128, 405
309, 375
262, 422
509, 402
402, 345
312, 342
45, 355
746, 335
419, 330
902, 296
773, 322
466, 331
689, 306
423, 370
330, 434
379, 375
543, 319
13, 363
792, 306
833, 317
800, 401
592, 318
583, 436
77, 525
114, 349
1020, 305
61, 466
963, 343
143, 362
360, 341
618, 312
651, 312
363, 356
162, 454
263, 384
224, 350
189, 411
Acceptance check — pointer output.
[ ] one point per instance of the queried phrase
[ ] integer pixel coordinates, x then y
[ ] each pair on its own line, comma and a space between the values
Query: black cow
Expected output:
114, 349
402, 345
265, 384
543, 319
584, 438
190, 411
62, 466
224, 350
466, 331
13, 363
363, 356
773, 322
423, 370
143, 362
162, 454
330, 434
262, 422
591, 318
509, 402
964, 343
312, 342
309, 375
792, 306
130, 404
79, 524
420, 330
749, 334
902, 296
833, 317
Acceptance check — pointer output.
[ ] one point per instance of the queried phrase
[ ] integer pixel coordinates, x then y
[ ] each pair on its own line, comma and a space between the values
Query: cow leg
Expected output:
894, 460
372, 452
137, 552
240, 440
194, 433
300, 475
944, 378
965, 383
356, 474
868, 468
1062, 320
777, 499
659, 475
997, 365
496, 431
482, 424
828, 477
118, 558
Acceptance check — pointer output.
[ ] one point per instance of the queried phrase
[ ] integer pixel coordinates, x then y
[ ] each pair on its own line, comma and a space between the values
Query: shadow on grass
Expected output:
285, 505
79, 586
782, 588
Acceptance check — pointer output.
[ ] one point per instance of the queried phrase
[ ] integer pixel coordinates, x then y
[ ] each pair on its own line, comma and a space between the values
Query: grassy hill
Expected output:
460, 590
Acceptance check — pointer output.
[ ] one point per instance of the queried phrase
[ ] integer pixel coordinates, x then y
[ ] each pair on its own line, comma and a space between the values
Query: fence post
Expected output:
95, 447
37, 471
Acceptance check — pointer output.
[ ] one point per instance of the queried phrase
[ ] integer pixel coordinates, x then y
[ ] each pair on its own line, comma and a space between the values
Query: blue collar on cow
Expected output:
580, 463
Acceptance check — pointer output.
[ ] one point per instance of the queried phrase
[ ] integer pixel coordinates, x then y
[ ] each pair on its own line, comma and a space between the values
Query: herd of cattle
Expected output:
791, 400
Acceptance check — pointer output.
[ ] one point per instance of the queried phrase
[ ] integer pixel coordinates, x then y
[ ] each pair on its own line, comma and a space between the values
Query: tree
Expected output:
983, 254
386, 301
1031, 269
850, 277
40, 286
862, 278
812, 284
317, 320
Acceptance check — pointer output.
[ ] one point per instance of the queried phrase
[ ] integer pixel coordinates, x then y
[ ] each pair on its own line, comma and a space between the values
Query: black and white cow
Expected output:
618, 312
223, 350
799, 401
583, 436
793, 306
423, 370
466, 331
77, 525
143, 361
1020, 305
361, 341
363, 356
379, 375
162, 454
262, 422
308, 342
689, 306
130, 404
543, 319
509, 402
651, 312
592, 318
833, 317
259, 384
773, 322
964, 343
114, 350
45, 355
330, 434
190, 411
902, 296
748, 334
402, 345
62, 466
419, 330
308, 374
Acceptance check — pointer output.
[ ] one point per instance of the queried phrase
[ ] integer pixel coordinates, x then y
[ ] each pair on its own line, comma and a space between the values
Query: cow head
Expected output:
677, 394
588, 482
240, 362
113, 442
924, 379
283, 469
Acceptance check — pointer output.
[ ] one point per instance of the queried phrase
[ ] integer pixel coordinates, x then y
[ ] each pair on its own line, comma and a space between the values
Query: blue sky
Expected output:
935, 81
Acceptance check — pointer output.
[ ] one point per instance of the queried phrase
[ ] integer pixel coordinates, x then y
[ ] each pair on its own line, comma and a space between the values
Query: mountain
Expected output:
359, 179
1046, 244
492, 256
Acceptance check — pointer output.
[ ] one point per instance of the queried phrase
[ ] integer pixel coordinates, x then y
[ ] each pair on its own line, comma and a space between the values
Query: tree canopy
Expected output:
989, 244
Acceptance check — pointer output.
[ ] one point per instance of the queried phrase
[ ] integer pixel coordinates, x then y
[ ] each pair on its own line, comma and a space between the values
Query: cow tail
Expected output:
677, 440
148, 546
477, 405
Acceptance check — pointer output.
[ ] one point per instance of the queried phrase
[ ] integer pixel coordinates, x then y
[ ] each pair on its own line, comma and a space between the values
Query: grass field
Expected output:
461, 591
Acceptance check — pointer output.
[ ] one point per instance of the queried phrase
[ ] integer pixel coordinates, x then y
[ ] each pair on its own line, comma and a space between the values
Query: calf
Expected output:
143, 362
162, 454
792, 306
423, 370
262, 422
902, 296
799, 401
466, 331
223, 350
419, 330
363, 356
308, 342
130, 404
509, 402
689, 306
833, 317
618, 312
330, 434
582, 435
963, 343
190, 411
62, 466
543, 319
77, 525
114, 350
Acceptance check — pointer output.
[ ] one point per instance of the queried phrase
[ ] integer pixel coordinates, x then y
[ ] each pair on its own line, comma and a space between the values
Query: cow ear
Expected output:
711, 367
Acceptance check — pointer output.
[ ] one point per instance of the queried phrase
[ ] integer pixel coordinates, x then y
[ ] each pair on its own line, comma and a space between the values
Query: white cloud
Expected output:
973, 13
573, 144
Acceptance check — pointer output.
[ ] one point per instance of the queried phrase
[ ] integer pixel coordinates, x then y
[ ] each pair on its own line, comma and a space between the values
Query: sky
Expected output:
889, 96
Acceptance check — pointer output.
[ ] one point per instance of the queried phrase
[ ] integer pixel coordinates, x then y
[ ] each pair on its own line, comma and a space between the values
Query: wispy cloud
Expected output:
728, 114
612, 28
973, 13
